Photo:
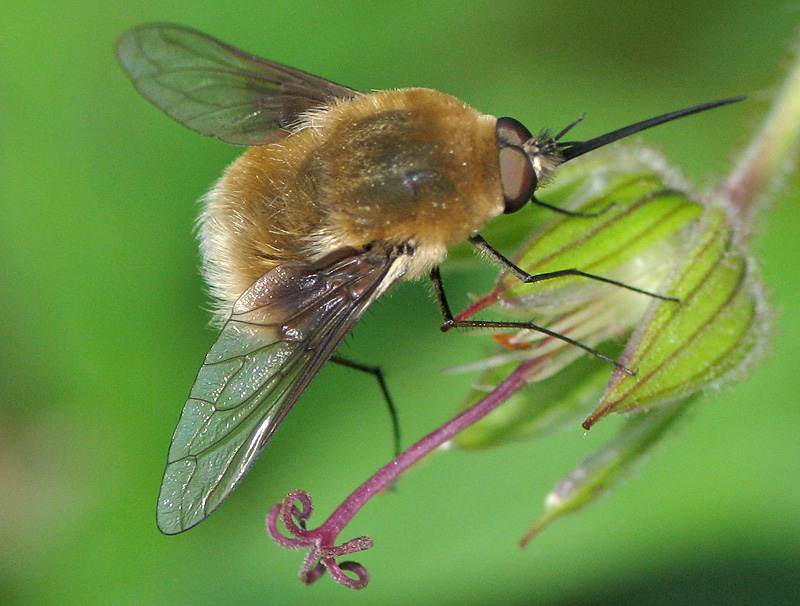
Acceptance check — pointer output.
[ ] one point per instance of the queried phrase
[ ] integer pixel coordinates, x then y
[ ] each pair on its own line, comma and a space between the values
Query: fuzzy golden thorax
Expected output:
408, 167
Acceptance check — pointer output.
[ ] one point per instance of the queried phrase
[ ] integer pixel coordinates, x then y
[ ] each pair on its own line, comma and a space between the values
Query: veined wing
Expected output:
215, 89
280, 333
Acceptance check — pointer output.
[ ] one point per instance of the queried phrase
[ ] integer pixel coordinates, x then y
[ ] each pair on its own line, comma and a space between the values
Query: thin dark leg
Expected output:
376, 372
449, 322
570, 213
527, 278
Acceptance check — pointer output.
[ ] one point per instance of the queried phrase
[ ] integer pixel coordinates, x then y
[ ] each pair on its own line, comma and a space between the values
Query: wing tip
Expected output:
168, 528
171, 522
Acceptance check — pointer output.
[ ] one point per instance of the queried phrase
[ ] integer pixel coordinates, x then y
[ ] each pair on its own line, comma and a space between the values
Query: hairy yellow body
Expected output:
409, 167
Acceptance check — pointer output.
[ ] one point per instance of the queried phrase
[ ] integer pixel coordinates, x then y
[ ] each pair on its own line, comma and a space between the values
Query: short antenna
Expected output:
573, 149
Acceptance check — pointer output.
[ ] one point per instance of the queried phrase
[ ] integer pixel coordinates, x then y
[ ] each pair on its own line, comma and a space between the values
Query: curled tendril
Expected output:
296, 508
294, 511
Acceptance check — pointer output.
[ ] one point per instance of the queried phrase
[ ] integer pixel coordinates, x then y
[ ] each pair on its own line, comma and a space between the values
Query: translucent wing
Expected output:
280, 333
215, 89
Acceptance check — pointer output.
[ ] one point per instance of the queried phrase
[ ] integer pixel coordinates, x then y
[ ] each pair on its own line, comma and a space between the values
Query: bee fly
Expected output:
339, 195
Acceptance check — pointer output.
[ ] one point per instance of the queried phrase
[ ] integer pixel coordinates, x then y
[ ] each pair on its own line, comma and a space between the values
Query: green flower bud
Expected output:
650, 232
680, 349
647, 231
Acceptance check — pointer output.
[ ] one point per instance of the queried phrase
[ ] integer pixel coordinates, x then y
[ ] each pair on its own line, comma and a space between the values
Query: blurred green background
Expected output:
104, 325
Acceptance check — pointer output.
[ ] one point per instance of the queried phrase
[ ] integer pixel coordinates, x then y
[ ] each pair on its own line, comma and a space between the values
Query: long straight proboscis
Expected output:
573, 149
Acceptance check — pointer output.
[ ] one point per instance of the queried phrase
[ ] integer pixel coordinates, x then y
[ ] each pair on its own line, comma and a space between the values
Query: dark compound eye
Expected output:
517, 178
511, 132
